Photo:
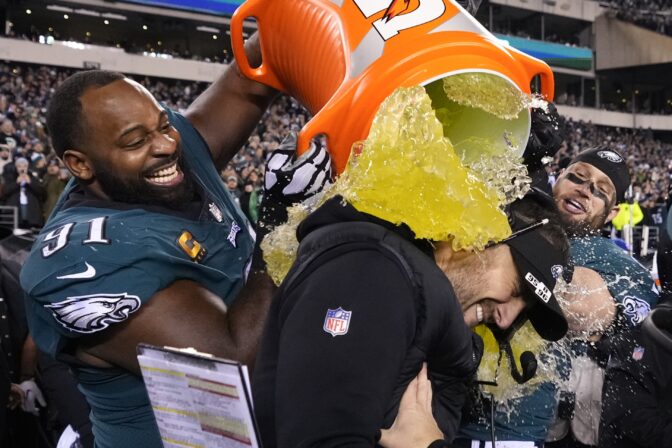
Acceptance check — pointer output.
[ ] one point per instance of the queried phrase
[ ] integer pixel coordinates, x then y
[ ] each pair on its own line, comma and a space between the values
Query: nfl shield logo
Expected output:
638, 353
337, 322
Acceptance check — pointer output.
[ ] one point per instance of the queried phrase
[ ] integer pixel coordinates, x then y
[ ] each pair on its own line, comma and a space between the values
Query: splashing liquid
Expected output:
495, 367
409, 172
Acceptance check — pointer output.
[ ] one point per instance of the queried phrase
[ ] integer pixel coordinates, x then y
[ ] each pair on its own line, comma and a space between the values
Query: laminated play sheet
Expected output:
198, 400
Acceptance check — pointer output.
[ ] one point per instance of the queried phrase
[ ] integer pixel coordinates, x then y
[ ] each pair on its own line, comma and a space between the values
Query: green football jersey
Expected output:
97, 262
629, 283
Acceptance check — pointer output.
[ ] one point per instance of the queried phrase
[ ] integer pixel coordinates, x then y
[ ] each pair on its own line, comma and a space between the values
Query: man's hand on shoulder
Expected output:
414, 426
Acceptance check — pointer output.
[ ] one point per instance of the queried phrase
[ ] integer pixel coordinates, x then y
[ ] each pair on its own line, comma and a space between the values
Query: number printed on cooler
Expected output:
400, 14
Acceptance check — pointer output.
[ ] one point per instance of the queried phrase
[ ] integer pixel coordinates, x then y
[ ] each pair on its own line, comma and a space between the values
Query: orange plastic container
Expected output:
342, 58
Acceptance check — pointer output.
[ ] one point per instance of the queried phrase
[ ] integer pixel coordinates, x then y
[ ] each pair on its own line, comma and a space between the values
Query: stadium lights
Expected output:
106, 22
87, 12
66, 17
28, 11
207, 29
112, 15
59, 8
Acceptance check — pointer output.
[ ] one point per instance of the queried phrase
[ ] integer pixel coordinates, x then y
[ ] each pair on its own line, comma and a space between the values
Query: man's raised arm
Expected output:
230, 108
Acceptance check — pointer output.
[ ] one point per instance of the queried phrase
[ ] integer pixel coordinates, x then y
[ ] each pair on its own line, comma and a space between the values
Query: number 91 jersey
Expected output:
96, 262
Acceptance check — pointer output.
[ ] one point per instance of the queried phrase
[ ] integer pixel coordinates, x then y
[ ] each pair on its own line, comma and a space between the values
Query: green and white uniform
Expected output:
97, 262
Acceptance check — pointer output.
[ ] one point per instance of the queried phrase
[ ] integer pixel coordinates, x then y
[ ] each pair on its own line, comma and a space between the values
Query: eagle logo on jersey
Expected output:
95, 312
635, 309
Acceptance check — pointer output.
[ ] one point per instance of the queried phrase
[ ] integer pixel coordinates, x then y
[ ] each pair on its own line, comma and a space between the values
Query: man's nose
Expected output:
507, 313
163, 144
505, 319
585, 188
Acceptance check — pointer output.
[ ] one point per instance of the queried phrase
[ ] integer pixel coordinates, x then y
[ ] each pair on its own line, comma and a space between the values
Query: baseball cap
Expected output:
539, 263
611, 163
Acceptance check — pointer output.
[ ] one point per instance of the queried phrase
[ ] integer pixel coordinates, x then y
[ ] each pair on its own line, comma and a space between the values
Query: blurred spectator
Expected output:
24, 190
5, 156
232, 185
8, 135
54, 183
249, 201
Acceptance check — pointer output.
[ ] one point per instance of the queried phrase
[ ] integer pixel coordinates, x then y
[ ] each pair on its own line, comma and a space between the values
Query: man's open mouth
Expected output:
167, 176
574, 207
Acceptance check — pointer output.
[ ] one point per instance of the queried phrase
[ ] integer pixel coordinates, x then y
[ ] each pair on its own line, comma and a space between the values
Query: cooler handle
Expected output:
263, 73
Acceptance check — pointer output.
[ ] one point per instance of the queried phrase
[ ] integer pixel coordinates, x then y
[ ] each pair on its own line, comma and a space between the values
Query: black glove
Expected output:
289, 180
546, 136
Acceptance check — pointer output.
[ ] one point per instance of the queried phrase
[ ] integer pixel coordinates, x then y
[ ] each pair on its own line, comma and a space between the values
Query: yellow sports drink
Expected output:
343, 58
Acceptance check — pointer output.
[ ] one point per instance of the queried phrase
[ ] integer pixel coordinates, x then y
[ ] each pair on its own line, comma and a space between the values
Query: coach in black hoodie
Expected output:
365, 304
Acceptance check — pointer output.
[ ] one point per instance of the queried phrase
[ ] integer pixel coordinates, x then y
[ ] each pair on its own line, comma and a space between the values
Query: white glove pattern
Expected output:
296, 179
33, 395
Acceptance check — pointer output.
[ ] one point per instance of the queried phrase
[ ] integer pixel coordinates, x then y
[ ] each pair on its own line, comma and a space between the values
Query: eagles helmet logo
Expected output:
95, 312
610, 156
635, 309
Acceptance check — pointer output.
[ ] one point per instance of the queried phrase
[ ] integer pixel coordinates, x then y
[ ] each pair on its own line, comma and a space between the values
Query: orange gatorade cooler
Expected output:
342, 58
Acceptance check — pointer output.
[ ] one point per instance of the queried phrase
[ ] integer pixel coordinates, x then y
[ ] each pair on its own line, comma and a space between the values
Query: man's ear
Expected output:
443, 254
612, 214
79, 164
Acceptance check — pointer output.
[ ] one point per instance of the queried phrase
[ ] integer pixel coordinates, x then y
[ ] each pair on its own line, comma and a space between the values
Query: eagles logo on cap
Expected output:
610, 156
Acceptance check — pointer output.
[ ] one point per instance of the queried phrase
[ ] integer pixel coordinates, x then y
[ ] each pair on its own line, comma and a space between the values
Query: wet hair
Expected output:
66, 125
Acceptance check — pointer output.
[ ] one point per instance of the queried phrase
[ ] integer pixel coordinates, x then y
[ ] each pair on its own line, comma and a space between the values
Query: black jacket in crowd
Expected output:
35, 194
314, 388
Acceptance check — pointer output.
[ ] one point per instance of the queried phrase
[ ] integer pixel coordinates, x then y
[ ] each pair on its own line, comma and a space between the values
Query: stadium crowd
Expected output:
33, 177
655, 15
25, 90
